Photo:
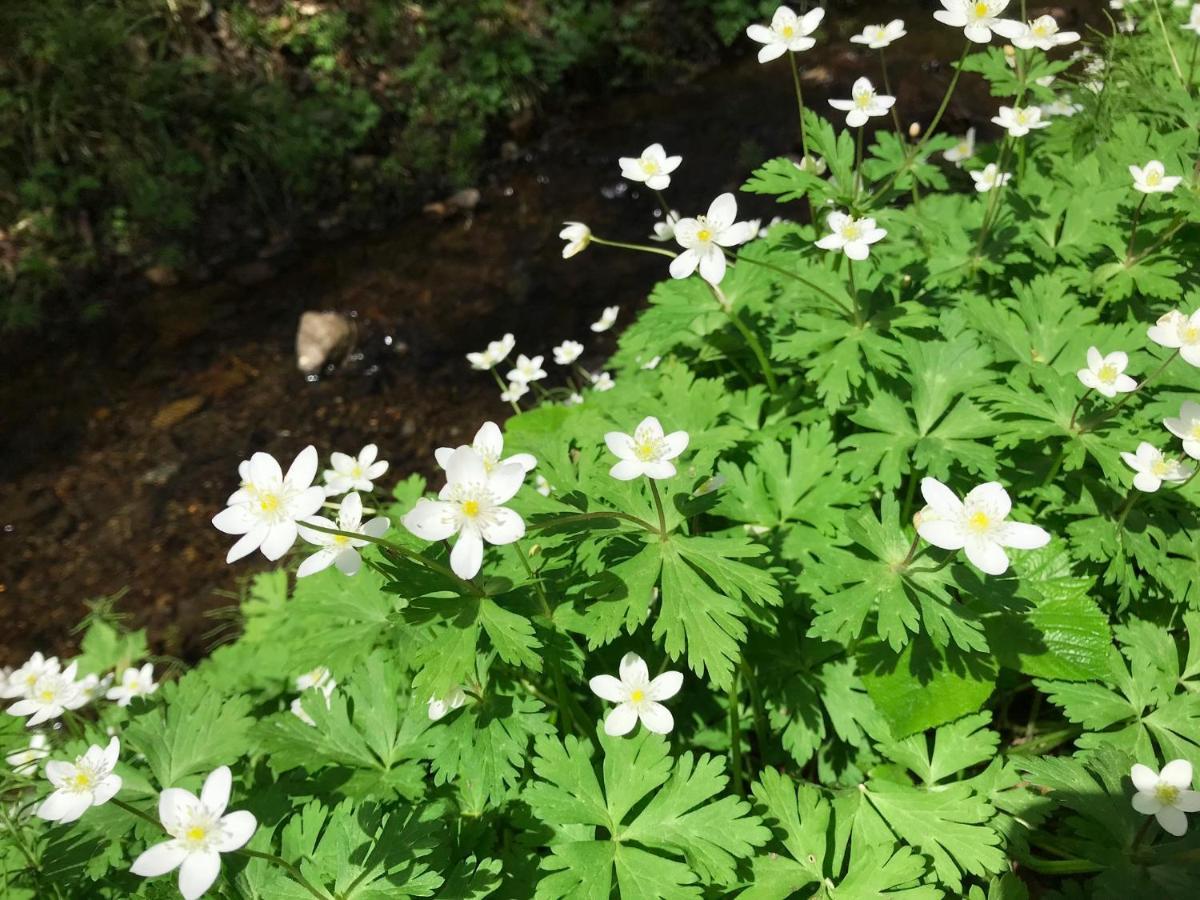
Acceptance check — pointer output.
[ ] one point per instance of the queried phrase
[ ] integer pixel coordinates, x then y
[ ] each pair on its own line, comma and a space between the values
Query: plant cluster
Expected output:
867, 568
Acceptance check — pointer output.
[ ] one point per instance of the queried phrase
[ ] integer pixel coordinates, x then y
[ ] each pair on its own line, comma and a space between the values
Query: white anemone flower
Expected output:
963, 150
134, 683
1178, 332
1193, 22
607, 319
527, 370
1061, 107
574, 399
51, 695
989, 177
665, 230
851, 236
1153, 468
1042, 33
1187, 427
496, 353
471, 505
337, 549
20, 681
25, 761
78, 786
440, 707
265, 510
863, 104
703, 238
577, 235
1166, 795
354, 473
93, 686
200, 832
653, 167
324, 688
787, 33
1018, 121
637, 697
648, 451
1153, 179
602, 382
876, 37
567, 352
541, 485
514, 392
977, 524
979, 19
1106, 374
489, 444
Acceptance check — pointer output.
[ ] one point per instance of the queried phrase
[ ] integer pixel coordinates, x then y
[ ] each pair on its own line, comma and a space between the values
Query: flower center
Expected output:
879, 32
649, 166
1154, 177
1195, 432
195, 834
1022, 116
268, 503
357, 471
47, 695
1166, 793
470, 509
862, 101
852, 232
981, 9
1191, 334
788, 31
81, 781
1107, 373
979, 522
1160, 467
637, 695
704, 234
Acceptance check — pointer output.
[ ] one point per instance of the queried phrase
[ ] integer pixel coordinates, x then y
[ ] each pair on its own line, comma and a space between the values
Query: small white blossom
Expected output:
265, 509
989, 178
496, 353
541, 485
93, 686
1106, 374
514, 392
567, 352
1061, 107
648, 451
1166, 795
78, 786
471, 505
863, 104
1187, 427
607, 319
134, 683
879, 36
489, 444
25, 761
325, 688
665, 230
1193, 22
441, 707
704, 237
651, 363
1153, 468
1018, 121
851, 236
354, 473
1153, 179
787, 32
811, 163
979, 19
1043, 34
963, 150
653, 167
200, 832
976, 524
602, 382
527, 370
1177, 331
577, 235
313, 679
575, 398
51, 695
637, 697
20, 682
337, 549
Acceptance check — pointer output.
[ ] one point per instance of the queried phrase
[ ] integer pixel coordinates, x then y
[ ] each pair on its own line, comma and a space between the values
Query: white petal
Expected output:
348, 561
264, 469
674, 444
527, 461
234, 520
1177, 773
303, 469
238, 828
627, 470
856, 250
197, 873
656, 718
279, 540
465, 466
621, 445
1146, 803
215, 793
712, 264
62, 806
466, 558
431, 520
158, 860
504, 481
621, 720
946, 534
665, 686
943, 500
172, 804
988, 556
633, 670
1188, 801
106, 789
658, 470
722, 212
993, 495
442, 456
1172, 820
318, 562
1023, 536
685, 263
606, 687
489, 441
771, 51
505, 527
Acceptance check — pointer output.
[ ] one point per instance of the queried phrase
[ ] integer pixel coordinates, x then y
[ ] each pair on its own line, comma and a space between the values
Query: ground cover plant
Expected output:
867, 568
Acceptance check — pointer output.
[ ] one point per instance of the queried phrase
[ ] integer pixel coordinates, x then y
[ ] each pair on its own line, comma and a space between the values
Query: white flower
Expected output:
1043, 34
1061, 107
541, 485
337, 549
651, 363
1106, 374
134, 683
496, 353
489, 444
851, 236
87, 782
53, 693
25, 762
646, 452
21, 681
602, 382
314, 678
787, 32
863, 103
575, 398
471, 505
1187, 427
439, 708
1020, 120
567, 352
1153, 468
989, 178
515, 391
351, 473
1193, 22
665, 230
324, 688
577, 235
653, 167
527, 370
1154, 178
607, 319
637, 697
979, 19
963, 150
703, 238
975, 524
200, 832
264, 510
879, 36
93, 686
1177, 331
1166, 795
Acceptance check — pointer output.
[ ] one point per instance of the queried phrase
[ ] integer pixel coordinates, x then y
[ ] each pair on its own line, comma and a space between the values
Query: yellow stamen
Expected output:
704, 235
268, 503
981, 8
195, 833
82, 779
1107, 373
1166, 793
637, 696
471, 509
978, 521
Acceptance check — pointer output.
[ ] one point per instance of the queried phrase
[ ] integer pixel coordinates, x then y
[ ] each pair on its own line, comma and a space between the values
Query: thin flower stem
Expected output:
1137, 218
292, 870
764, 363
858, 313
994, 195
662, 202
804, 281
19, 840
504, 389
585, 517
1078, 406
1192, 65
912, 550
1134, 493
1112, 411
658, 504
760, 717
642, 247
1167, 40
1141, 835
1062, 866
735, 737
799, 105
858, 158
887, 89
536, 579
134, 811
1175, 225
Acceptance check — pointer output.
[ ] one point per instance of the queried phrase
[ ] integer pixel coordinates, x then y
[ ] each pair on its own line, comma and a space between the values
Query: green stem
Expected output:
503, 388
912, 551
800, 278
134, 811
588, 517
887, 89
993, 195
764, 363
1167, 40
1141, 835
799, 105
858, 315
642, 247
1134, 493
19, 840
735, 737
761, 730
1137, 217
1078, 406
292, 870
1176, 224
858, 158
1112, 411
536, 580
662, 202
1061, 866
658, 504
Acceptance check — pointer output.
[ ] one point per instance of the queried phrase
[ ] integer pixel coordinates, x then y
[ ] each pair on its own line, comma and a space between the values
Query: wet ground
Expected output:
122, 440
